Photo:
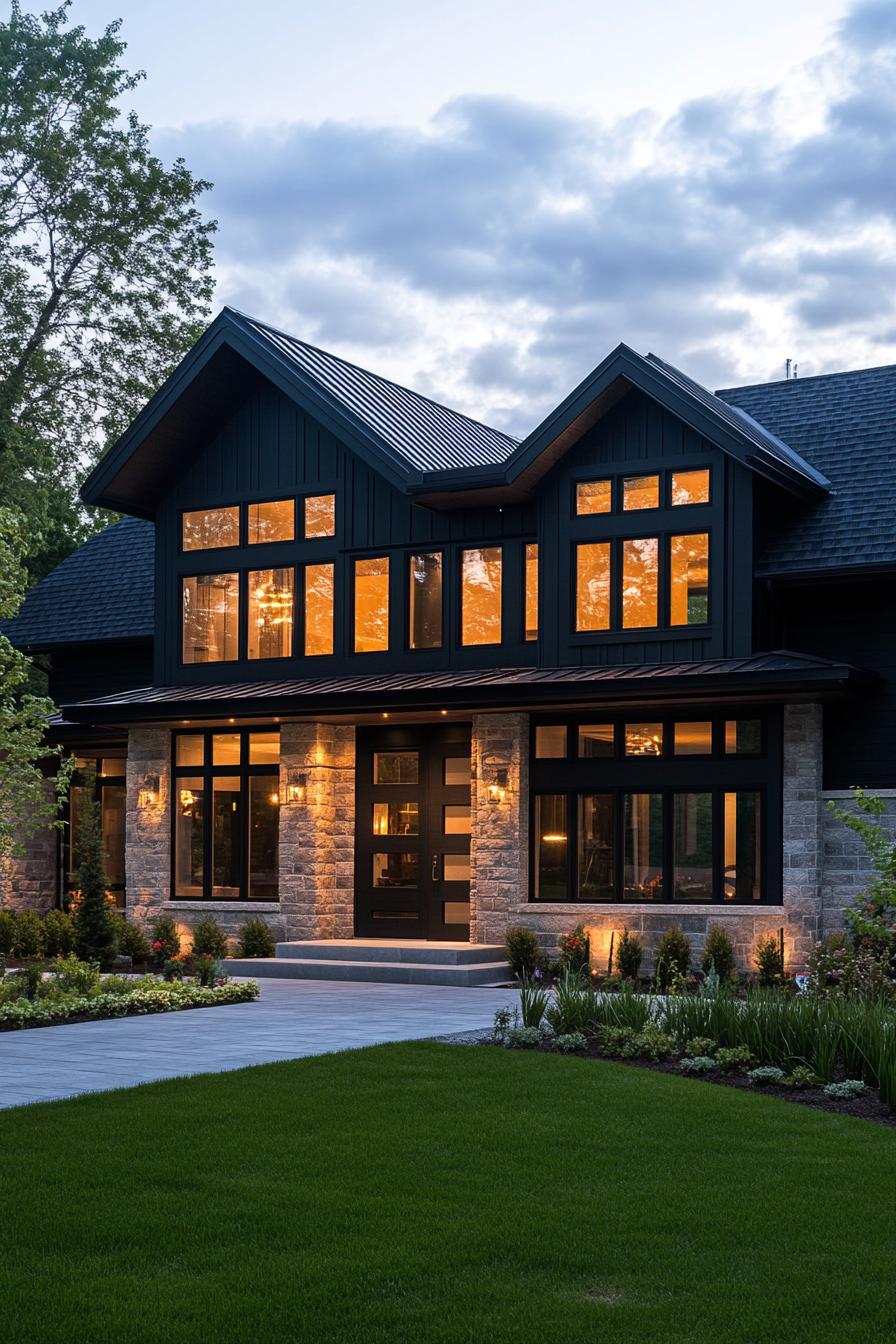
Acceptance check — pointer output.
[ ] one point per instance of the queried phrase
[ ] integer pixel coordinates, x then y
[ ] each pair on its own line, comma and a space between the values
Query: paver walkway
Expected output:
290, 1019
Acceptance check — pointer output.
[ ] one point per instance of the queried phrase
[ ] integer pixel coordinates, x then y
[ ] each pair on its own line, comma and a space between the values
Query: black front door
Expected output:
412, 833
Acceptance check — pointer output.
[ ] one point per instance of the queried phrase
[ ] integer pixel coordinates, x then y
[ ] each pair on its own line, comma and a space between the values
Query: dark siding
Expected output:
855, 622
80, 672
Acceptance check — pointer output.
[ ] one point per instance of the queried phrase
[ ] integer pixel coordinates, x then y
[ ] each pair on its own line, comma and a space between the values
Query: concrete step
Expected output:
483, 973
381, 950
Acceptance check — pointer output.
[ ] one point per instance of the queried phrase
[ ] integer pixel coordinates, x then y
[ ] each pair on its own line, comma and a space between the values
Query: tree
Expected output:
95, 935
28, 800
105, 267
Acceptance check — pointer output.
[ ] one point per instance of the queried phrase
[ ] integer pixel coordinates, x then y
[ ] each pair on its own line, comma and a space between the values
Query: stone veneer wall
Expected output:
30, 880
500, 844
499, 832
846, 869
317, 839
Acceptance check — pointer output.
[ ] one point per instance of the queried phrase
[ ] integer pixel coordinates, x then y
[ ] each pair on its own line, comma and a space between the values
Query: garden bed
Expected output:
117, 997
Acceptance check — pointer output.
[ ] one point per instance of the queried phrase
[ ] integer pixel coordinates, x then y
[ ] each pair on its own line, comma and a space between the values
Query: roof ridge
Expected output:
369, 373
809, 378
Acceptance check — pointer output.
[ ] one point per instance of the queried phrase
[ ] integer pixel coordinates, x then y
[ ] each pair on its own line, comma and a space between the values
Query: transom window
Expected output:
258, 523
273, 520
206, 529
225, 815
653, 490
656, 810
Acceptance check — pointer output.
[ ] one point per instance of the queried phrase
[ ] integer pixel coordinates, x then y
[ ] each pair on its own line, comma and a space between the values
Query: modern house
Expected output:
368, 668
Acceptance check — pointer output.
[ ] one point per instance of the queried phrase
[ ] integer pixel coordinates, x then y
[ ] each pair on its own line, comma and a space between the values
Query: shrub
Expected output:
173, 969
836, 967
209, 939
533, 1002
848, 1090
614, 1040
575, 949
94, 926
766, 1076
255, 939
501, 1025
164, 940
522, 950
673, 957
132, 941
718, 953
734, 1058
205, 968
802, 1077
572, 1007
629, 955
769, 959
648, 1043
59, 933
7, 932
72, 976
523, 1038
699, 1064
700, 1045
29, 934
570, 1041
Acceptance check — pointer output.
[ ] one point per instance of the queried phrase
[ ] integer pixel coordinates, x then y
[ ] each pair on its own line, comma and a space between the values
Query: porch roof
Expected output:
779, 674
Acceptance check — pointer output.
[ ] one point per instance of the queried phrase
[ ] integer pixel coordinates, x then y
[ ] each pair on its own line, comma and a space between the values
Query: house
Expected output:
363, 666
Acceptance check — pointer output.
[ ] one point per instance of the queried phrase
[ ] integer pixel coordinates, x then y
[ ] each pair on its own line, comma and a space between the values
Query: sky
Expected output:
481, 198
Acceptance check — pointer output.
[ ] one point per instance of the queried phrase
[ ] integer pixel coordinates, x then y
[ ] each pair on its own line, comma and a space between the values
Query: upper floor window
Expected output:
640, 492
629, 572
273, 520
530, 597
425, 600
319, 516
271, 603
211, 618
653, 490
593, 586
205, 529
689, 579
690, 487
640, 582
481, 596
593, 497
319, 609
372, 605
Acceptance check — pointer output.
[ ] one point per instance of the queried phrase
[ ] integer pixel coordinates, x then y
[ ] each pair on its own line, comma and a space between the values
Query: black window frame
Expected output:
666, 774
100, 781
208, 771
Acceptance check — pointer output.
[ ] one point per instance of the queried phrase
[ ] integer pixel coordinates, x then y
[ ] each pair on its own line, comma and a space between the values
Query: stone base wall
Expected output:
846, 871
30, 880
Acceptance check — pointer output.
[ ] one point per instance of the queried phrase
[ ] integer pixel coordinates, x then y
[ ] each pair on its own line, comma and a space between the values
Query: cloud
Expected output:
493, 256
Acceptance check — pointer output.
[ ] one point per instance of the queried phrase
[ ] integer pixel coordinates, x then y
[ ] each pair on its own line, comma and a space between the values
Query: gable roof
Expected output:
847, 423
102, 591
426, 450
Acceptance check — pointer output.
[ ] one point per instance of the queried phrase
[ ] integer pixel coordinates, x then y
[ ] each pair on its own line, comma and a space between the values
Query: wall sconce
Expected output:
296, 789
148, 794
497, 785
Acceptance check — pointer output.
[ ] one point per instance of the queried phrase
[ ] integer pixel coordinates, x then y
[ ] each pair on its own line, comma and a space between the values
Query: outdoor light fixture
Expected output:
149, 791
296, 789
497, 786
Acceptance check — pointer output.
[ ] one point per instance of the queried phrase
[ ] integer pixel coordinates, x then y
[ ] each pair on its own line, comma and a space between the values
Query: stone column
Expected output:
802, 828
148, 824
499, 831
317, 838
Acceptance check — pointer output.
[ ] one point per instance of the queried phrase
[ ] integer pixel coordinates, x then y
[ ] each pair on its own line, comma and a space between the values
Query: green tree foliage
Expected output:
95, 937
105, 267
28, 800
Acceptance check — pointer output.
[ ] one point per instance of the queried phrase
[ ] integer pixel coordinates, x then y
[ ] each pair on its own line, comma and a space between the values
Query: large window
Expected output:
372, 605
319, 609
101, 779
689, 579
271, 604
211, 618
638, 566
226, 809
530, 595
425, 600
593, 586
481, 596
657, 810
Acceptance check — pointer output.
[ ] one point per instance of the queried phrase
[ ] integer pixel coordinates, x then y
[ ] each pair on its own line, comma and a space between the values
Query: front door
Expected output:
412, 833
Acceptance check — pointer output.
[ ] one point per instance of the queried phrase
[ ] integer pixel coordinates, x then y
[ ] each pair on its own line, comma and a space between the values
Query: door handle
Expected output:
435, 867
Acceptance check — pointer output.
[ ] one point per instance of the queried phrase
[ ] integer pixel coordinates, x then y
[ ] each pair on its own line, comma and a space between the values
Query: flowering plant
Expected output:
575, 950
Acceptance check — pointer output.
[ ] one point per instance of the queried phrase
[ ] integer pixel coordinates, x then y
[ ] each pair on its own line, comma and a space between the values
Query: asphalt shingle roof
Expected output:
103, 590
427, 435
845, 425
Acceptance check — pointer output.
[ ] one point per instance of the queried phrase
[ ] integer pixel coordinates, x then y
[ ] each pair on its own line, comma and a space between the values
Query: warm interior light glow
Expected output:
481, 576
593, 586
372, 605
319, 608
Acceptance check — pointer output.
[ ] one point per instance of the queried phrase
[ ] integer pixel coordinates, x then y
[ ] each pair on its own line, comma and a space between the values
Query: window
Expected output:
640, 583
456, 771
640, 492
530, 600
211, 618
456, 819
226, 815
425, 611
688, 824
275, 520
99, 780
743, 737
320, 516
550, 741
690, 487
593, 497
481, 596
206, 529
693, 739
271, 600
319, 607
372, 605
593, 586
551, 842
396, 818
396, 870
689, 579
398, 767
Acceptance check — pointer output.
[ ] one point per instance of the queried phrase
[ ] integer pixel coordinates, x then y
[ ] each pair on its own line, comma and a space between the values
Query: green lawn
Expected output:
426, 1193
